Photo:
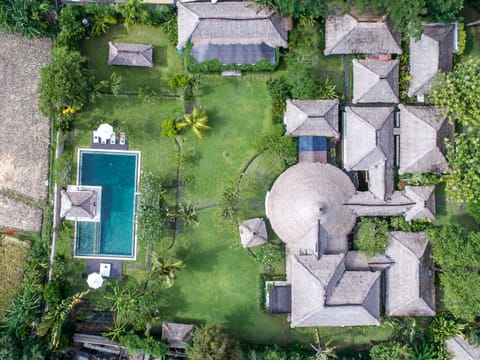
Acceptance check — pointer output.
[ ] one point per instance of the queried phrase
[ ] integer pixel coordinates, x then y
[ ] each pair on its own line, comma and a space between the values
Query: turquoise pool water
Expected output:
117, 174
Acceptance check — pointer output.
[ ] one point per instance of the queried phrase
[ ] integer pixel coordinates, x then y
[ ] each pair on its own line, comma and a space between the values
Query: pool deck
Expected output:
110, 146
116, 271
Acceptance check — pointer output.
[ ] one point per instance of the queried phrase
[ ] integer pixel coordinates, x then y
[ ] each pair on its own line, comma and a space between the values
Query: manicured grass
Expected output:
220, 283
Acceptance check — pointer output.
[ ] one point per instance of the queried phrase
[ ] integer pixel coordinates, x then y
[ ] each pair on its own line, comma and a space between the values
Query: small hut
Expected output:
253, 232
130, 54
81, 203
177, 335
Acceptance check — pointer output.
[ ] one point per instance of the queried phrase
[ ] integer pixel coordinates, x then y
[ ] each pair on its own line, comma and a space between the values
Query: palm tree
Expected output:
53, 320
197, 120
186, 212
164, 269
322, 352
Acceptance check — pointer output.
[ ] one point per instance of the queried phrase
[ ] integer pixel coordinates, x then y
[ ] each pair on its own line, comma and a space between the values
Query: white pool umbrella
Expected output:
105, 131
94, 280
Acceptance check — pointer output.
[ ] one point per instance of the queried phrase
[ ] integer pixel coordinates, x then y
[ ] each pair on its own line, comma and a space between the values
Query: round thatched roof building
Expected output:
306, 202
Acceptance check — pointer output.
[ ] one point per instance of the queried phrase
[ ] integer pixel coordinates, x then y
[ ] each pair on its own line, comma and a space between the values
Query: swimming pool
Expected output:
117, 172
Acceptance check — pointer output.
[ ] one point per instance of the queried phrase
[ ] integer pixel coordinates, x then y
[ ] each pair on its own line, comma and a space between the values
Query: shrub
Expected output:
71, 29
391, 351
473, 210
270, 254
327, 91
301, 81
178, 81
55, 291
279, 91
147, 344
372, 236
146, 94
462, 39
62, 169
281, 151
169, 128
209, 342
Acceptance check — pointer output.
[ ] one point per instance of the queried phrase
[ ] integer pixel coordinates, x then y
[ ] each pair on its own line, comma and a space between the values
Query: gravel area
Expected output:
25, 135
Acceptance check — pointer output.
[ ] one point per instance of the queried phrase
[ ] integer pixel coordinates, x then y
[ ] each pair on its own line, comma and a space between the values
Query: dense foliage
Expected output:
279, 151
64, 85
372, 236
210, 343
459, 92
298, 8
457, 252
463, 182
391, 351
148, 344
28, 17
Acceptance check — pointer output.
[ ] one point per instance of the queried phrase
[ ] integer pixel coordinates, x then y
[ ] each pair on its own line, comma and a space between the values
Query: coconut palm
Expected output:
197, 121
322, 352
54, 318
164, 269
186, 212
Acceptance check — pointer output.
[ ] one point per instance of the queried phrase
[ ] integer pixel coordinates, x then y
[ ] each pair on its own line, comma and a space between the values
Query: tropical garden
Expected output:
211, 147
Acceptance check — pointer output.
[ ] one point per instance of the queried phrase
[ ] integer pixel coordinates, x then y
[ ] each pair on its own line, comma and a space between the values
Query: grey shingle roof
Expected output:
368, 146
423, 130
433, 52
228, 23
312, 118
410, 289
424, 198
375, 81
177, 335
360, 34
461, 349
253, 232
234, 53
80, 205
130, 54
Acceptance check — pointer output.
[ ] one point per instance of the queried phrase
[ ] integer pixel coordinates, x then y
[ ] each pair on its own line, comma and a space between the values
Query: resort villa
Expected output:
313, 206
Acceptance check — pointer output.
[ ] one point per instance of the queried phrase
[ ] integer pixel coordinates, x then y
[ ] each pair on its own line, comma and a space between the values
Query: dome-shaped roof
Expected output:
305, 194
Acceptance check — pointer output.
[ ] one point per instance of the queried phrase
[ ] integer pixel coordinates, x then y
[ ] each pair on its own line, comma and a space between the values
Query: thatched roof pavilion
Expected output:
177, 335
232, 32
365, 33
81, 203
461, 349
410, 289
253, 232
368, 146
423, 130
325, 294
312, 118
130, 54
433, 52
306, 194
375, 81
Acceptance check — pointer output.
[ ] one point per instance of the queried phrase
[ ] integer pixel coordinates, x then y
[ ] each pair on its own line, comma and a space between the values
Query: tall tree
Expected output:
164, 269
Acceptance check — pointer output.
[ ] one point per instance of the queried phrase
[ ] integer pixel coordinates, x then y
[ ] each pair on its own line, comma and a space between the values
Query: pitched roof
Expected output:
424, 198
80, 204
410, 289
461, 349
177, 335
431, 53
375, 81
423, 130
360, 34
253, 232
227, 23
368, 146
130, 54
312, 118
355, 297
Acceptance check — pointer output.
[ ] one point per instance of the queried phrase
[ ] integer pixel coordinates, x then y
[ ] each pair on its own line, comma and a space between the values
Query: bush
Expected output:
473, 210
391, 351
71, 29
281, 151
301, 81
209, 342
146, 344
62, 170
372, 236
270, 254
279, 91
462, 39
55, 291
169, 128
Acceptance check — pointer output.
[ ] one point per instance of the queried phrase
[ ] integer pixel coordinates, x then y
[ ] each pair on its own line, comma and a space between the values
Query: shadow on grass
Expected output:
160, 56
199, 261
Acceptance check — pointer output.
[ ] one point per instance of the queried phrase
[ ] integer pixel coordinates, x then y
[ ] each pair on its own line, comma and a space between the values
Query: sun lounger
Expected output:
122, 138
113, 139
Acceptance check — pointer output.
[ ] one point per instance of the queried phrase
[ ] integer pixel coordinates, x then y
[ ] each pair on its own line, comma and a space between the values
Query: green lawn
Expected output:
220, 283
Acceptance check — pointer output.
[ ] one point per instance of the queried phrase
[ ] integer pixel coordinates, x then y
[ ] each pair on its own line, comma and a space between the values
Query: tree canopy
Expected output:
459, 92
210, 343
64, 83
372, 235
457, 252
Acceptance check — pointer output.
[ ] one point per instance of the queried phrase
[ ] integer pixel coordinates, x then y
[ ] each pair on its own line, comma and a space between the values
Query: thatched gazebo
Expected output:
177, 335
81, 203
130, 54
253, 232
308, 197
